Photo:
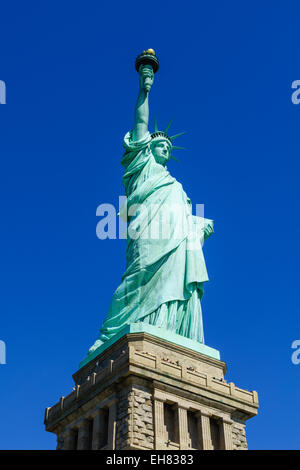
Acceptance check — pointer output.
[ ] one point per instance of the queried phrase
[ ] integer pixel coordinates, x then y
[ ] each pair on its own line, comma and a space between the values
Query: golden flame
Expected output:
149, 51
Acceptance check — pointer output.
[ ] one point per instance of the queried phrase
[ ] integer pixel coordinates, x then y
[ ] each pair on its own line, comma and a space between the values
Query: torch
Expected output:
149, 58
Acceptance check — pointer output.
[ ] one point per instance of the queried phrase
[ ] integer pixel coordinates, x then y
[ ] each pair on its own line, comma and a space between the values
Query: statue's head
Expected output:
161, 144
161, 149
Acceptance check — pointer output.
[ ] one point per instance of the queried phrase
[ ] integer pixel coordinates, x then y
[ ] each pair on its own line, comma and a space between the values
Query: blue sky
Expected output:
226, 74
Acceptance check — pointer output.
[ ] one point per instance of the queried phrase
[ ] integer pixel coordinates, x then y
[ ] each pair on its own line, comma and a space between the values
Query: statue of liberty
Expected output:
165, 271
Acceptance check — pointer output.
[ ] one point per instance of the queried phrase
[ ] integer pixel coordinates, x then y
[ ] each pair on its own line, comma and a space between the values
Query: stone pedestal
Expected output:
144, 392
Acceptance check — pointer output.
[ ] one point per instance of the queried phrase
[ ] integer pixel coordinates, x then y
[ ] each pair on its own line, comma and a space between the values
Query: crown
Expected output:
163, 135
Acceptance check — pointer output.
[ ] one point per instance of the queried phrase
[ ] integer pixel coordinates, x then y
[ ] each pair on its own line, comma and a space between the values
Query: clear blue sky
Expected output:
226, 74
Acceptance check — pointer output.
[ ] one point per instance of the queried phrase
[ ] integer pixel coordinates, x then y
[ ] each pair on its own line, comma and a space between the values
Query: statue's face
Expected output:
161, 151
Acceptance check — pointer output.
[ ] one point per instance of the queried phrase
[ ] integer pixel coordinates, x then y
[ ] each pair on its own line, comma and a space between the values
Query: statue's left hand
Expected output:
146, 77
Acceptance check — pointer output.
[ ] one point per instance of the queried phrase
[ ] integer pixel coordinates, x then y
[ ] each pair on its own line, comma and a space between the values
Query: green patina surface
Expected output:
163, 283
159, 333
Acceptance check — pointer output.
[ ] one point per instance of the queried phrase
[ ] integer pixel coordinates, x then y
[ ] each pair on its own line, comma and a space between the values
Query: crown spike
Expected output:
177, 148
173, 158
168, 126
177, 135
155, 125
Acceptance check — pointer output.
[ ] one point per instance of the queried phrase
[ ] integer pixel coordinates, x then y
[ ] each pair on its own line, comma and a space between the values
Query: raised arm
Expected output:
142, 105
